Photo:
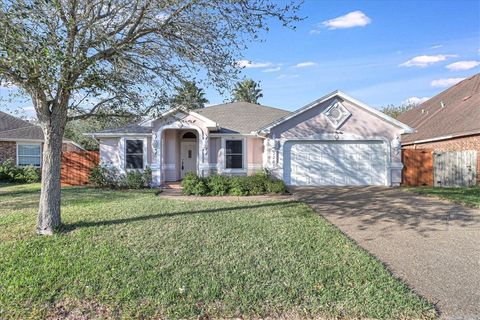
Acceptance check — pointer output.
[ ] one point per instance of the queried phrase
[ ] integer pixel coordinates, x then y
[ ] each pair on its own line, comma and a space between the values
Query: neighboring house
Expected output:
450, 121
21, 141
335, 140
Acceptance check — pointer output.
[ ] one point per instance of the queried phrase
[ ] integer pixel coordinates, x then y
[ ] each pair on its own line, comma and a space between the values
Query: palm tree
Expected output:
189, 96
248, 91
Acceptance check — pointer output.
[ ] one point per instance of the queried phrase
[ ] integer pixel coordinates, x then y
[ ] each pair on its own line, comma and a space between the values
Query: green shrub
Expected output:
103, 176
147, 177
237, 186
275, 186
255, 184
132, 180
30, 174
8, 171
189, 182
11, 173
218, 185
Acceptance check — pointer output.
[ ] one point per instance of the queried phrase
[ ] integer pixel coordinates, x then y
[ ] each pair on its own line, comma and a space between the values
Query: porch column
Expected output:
156, 166
204, 161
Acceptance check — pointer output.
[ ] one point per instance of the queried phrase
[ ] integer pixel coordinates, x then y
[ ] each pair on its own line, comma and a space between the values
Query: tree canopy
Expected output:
78, 59
189, 96
248, 91
394, 111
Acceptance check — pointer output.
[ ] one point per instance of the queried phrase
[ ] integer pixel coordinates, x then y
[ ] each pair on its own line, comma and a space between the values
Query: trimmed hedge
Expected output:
217, 185
11, 173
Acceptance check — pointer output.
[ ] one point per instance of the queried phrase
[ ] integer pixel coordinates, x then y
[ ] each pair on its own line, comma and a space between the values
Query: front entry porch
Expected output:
179, 151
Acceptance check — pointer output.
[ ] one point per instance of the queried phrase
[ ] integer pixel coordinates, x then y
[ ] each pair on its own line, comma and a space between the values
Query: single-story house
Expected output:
333, 141
21, 141
449, 121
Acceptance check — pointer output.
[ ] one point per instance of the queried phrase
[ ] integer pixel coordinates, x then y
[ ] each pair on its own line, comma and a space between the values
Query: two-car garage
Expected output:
335, 163
335, 141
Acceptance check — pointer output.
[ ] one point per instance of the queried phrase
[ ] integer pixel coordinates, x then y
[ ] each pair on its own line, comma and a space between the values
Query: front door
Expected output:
188, 158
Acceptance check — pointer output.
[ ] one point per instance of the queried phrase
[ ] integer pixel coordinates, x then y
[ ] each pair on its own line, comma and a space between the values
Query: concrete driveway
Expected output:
433, 245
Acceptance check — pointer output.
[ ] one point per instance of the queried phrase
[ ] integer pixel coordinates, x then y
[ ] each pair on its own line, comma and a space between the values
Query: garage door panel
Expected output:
337, 163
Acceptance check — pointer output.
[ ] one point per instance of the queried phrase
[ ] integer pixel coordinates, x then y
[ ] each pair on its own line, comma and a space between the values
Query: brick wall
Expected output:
8, 150
457, 144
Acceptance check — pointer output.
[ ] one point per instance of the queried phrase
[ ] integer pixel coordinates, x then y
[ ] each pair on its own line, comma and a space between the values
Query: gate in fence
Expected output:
424, 167
455, 169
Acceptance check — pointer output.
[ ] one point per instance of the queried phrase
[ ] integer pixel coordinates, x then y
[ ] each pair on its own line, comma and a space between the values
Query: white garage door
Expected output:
346, 163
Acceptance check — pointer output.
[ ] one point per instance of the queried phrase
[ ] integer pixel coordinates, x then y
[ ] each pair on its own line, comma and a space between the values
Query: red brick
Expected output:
8, 150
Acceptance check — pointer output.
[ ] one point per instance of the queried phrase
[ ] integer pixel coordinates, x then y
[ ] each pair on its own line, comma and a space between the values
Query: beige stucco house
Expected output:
335, 140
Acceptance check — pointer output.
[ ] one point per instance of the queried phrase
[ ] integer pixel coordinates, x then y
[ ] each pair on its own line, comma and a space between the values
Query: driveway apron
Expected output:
431, 244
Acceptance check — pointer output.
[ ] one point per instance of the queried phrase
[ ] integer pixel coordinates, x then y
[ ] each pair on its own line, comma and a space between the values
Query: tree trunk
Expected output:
49, 206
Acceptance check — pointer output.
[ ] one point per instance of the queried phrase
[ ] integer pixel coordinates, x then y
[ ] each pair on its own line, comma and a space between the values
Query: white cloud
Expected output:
350, 20
272, 69
438, 46
415, 100
442, 83
463, 65
251, 64
287, 76
425, 61
305, 64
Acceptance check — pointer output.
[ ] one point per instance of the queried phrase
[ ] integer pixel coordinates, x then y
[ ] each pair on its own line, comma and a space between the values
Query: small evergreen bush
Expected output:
11, 173
103, 176
217, 185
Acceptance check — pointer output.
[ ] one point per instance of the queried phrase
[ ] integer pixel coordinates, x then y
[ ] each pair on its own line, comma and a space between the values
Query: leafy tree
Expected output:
77, 58
394, 111
248, 91
189, 96
76, 129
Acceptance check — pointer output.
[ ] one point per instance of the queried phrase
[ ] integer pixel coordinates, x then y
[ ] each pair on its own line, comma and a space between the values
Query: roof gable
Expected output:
453, 112
344, 96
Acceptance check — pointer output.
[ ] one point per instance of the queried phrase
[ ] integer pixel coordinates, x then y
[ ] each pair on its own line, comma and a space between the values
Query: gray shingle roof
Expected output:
12, 128
459, 115
132, 128
9, 122
241, 117
25, 133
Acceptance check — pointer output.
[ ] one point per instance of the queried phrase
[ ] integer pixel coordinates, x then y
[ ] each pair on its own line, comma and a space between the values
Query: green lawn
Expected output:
467, 196
131, 254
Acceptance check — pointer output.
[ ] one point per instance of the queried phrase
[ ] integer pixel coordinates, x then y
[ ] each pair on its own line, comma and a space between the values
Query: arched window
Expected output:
189, 135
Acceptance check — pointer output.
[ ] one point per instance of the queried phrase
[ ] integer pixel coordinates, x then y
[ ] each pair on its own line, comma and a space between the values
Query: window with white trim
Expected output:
29, 155
234, 154
134, 154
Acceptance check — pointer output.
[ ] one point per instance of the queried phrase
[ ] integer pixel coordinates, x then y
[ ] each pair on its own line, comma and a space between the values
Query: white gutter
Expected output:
451, 136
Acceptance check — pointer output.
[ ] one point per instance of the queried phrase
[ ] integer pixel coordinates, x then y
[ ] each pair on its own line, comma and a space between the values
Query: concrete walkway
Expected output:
433, 245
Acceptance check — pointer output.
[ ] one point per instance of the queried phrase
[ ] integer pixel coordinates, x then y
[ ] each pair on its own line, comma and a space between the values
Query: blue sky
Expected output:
365, 57
380, 52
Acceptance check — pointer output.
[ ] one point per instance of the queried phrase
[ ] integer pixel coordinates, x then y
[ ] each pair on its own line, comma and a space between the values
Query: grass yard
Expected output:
467, 196
131, 254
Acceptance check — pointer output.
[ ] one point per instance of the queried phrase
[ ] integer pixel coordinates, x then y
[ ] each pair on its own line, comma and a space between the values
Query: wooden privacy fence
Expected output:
424, 167
455, 169
417, 167
76, 166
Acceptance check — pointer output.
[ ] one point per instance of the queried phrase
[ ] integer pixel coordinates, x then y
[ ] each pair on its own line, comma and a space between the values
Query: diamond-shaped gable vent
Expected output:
337, 114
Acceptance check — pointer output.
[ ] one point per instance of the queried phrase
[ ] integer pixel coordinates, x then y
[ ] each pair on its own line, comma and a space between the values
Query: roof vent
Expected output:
442, 104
